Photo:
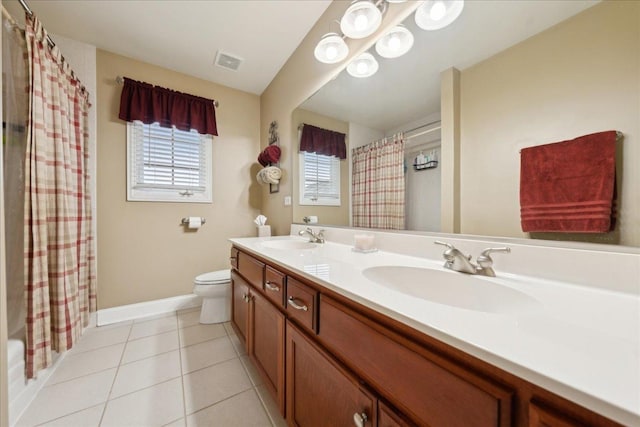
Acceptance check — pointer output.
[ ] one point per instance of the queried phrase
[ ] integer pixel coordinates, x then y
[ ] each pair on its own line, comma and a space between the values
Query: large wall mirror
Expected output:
530, 73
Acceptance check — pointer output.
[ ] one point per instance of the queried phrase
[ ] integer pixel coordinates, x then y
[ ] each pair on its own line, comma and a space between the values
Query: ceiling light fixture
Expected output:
361, 19
436, 14
395, 42
365, 65
331, 49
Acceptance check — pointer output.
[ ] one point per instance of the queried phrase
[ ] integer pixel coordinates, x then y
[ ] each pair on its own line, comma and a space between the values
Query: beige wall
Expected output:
579, 77
298, 79
143, 252
329, 215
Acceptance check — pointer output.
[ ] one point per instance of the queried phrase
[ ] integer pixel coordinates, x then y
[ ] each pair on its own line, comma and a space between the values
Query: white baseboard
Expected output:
121, 313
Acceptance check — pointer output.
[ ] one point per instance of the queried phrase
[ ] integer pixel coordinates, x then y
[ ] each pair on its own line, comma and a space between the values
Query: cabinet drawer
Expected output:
251, 269
274, 286
233, 258
425, 387
301, 303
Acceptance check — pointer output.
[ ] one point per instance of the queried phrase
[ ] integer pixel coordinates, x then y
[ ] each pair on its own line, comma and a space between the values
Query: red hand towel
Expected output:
569, 186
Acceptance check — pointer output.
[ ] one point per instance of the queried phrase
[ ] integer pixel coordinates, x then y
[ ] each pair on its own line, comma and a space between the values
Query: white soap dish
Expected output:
364, 251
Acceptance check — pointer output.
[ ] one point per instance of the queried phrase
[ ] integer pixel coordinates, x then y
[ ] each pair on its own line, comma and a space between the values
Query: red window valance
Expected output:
323, 141
151, 104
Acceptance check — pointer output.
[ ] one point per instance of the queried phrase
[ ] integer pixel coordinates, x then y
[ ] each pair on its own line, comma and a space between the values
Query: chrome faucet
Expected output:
457, 261
313, 237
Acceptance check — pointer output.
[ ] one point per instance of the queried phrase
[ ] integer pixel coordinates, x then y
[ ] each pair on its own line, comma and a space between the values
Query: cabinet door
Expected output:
320, 392
266, 345
425, 387
240, 306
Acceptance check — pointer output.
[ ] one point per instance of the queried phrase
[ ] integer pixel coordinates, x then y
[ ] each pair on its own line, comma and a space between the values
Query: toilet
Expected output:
215, 290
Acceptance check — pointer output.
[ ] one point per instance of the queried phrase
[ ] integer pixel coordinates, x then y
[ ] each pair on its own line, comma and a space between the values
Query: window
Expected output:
319, 180
167, 164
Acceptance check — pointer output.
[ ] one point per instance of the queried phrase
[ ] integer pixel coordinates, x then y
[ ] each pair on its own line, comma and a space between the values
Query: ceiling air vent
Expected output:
227, 61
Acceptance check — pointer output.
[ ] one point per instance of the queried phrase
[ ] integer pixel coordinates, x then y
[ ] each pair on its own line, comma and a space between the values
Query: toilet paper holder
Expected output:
185, 221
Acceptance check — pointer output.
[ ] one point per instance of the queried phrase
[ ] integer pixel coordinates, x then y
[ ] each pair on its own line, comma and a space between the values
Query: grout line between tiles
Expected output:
104, 410
264, 406
69, 414
219, 401
184, 395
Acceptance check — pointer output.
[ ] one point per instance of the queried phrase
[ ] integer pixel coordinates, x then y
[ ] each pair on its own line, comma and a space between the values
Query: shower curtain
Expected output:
15, 84
378, 186
60, 289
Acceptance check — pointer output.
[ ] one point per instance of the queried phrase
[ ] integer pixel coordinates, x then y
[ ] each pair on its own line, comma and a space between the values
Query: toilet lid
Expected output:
214, 277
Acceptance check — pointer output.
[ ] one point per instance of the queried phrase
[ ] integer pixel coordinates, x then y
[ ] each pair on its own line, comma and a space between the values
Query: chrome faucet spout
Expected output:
457, 261
313, 237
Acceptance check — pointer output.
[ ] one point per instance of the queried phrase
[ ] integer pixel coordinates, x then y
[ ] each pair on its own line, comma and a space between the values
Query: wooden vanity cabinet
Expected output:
427, 389
266, 345
328, 360
319, 391
240, 294
259, 323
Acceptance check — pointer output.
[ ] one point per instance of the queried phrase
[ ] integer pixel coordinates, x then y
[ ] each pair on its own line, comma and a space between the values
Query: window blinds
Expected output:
321, 177
167, 158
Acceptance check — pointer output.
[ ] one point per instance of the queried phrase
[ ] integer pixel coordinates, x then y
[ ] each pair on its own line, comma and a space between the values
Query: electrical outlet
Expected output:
287, 200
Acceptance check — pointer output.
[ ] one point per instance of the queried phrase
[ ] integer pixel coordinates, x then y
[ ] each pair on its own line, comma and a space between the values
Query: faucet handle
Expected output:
484, 259
448, 245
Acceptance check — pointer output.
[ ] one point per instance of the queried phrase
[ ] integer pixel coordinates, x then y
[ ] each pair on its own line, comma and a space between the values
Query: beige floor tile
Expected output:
272, 408
102, 336
242, 410
154, 317
150, 346
62, 399
237, 344
200, 333
86, 418
228, 328
146, 372
213, 384
76, 365
153, 327
153, 406
206, 353
252, 371
177, 423
189, 318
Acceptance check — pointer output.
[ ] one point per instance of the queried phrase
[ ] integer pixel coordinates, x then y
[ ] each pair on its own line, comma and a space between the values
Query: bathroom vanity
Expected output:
336, 348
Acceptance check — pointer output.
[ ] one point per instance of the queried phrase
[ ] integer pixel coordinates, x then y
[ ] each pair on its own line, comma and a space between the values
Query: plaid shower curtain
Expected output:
378, 185
60, 288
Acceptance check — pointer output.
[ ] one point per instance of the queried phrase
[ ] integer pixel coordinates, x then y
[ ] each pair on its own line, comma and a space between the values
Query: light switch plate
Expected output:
287, 200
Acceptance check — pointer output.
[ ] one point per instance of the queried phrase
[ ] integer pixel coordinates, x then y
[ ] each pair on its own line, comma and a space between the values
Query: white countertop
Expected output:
582, 343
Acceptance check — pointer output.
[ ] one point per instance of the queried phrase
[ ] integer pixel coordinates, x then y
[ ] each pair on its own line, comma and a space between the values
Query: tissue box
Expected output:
264, 231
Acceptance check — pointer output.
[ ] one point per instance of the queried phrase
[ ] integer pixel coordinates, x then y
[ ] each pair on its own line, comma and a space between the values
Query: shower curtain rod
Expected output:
28, 10
423, 126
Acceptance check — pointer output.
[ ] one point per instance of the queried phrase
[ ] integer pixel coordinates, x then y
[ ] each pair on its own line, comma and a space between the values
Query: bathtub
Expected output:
21, 390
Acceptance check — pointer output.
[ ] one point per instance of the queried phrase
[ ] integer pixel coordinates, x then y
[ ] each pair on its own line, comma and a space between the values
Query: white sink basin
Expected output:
289, 244
452, 289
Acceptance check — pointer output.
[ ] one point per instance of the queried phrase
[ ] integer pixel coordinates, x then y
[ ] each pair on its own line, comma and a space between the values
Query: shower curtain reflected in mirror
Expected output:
15, 100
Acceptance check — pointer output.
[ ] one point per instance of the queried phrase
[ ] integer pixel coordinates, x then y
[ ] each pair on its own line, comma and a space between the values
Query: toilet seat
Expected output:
213, 278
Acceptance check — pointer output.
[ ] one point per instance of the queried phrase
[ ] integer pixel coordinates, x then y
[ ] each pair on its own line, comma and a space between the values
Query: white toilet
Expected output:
215, 290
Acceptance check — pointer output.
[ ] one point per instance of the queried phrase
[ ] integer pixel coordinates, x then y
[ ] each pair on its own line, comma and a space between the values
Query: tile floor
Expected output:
166, 370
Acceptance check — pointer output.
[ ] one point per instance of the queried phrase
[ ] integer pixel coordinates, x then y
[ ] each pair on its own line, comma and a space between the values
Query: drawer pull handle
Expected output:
246, 298
360, 419
292, 303
269, 285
